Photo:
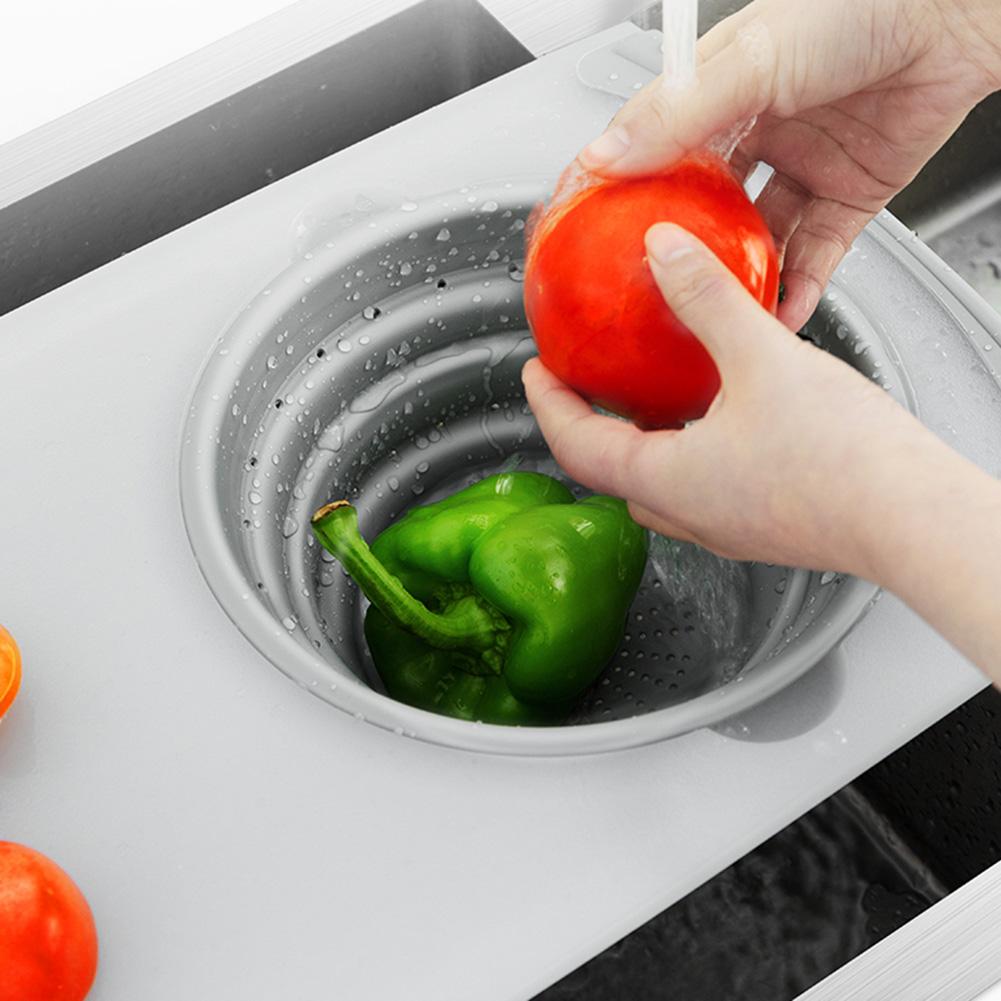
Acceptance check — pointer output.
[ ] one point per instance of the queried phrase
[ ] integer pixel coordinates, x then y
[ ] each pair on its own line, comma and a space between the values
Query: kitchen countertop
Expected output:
238, 837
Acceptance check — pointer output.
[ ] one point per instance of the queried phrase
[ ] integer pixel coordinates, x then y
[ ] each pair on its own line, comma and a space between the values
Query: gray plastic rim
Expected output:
204, 526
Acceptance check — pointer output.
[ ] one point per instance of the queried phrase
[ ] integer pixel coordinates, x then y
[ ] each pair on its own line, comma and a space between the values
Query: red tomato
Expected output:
598, 318
48, 944
10, 670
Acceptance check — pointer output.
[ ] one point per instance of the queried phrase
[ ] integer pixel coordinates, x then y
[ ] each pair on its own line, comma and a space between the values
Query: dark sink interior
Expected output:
857, 867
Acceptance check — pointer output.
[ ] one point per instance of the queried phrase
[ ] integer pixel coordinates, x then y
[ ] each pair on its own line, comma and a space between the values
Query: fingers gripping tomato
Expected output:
48, 944
598, 318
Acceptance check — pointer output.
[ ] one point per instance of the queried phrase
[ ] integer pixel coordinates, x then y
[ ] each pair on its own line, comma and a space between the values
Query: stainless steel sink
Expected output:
954, 204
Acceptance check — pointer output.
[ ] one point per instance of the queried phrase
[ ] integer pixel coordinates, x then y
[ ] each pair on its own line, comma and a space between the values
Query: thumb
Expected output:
706, 296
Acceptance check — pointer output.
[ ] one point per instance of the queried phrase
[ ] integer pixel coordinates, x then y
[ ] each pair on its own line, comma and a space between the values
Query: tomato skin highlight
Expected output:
599, 320
48, 943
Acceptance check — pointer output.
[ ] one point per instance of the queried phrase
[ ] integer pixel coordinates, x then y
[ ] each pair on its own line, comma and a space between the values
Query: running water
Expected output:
681, 26
681, 20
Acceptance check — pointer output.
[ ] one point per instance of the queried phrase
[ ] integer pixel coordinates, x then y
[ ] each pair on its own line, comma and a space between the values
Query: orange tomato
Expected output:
48, 943
10, 670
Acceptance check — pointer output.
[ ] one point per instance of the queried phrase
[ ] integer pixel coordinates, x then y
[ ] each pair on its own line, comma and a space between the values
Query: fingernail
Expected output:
606, 149
666, 242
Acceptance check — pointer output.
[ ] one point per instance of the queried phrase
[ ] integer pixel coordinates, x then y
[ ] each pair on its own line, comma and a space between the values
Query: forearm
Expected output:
938, 547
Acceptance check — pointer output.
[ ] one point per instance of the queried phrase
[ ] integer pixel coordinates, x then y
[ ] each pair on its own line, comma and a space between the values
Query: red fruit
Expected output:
599, 319
48, 944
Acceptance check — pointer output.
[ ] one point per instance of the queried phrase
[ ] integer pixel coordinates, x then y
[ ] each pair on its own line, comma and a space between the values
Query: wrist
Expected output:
927, 519
902, 481
976, 25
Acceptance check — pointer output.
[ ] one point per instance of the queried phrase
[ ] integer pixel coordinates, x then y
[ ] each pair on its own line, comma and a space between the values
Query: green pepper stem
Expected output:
469, 625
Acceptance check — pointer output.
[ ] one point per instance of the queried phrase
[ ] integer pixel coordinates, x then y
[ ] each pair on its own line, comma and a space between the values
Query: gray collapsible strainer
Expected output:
384, 367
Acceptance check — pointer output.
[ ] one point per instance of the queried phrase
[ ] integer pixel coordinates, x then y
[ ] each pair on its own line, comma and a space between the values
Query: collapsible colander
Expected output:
384, 367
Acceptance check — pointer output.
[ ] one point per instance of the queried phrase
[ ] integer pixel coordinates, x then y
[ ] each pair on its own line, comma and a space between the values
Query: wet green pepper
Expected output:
501, 603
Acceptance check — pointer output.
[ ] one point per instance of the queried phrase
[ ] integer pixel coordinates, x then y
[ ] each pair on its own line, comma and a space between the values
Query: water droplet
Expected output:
332, 439
443, 234
255, 497
780, 587
289, 623
393, 483
516, 271
290, 527
408, 206
828, 576
490, 206
422, 467
272, 362
406, 268
344, 346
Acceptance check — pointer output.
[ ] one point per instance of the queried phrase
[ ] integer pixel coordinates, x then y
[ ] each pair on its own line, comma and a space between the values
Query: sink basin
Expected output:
384, 367
954, 204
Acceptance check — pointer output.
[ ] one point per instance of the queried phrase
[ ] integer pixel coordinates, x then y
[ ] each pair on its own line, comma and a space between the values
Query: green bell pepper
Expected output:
501, 603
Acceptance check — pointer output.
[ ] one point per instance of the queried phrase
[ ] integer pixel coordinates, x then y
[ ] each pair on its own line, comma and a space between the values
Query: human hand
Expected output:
800, 460
795, 445
851, 99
